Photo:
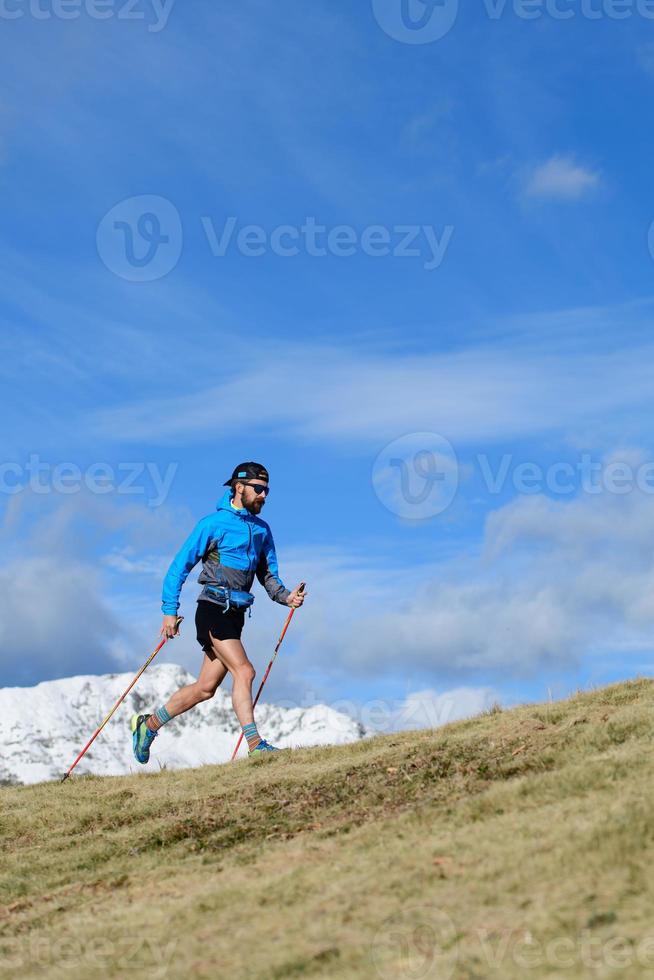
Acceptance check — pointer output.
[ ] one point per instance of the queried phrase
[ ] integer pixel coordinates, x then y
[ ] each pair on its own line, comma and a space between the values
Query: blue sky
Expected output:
468, 221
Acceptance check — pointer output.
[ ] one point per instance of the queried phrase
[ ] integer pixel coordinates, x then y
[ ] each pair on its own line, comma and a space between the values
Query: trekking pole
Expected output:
120, 700
301, 588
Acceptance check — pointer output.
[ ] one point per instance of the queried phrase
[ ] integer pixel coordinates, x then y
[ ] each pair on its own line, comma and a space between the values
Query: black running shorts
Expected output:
211, 618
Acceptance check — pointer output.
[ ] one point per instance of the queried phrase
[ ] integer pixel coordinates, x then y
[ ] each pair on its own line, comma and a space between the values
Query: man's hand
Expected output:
170, 626
296, 597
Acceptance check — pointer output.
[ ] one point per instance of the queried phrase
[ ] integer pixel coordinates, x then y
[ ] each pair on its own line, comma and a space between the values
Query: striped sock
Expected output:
251, 735
158, 718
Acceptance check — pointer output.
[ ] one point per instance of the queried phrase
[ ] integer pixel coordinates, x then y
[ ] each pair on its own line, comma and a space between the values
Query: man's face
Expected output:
252, 501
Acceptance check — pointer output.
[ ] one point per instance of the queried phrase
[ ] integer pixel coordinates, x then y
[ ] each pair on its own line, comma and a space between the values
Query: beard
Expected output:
255, 506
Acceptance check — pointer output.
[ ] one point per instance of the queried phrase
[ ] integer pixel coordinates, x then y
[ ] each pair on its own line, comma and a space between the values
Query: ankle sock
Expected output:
251, 735
158, 718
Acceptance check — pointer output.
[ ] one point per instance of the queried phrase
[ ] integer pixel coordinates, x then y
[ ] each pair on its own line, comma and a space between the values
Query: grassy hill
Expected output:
517, 844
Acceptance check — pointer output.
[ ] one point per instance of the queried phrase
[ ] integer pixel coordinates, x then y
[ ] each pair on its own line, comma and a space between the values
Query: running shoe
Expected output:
263, 746
142, 738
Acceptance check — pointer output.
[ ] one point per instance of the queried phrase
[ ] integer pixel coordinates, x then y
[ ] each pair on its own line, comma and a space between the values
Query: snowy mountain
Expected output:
43, 728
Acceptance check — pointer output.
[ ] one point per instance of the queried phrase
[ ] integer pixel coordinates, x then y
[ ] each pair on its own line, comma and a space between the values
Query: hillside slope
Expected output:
517, 844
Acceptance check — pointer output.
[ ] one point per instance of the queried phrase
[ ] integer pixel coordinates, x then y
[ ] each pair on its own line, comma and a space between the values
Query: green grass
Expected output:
517, 844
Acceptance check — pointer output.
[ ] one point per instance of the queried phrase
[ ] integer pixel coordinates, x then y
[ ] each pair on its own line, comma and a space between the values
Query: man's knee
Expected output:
205, 693
246, 672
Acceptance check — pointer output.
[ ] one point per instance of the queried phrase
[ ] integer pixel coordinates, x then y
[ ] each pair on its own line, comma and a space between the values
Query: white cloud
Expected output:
428, 709
424, 708
561, 177
63, 610
479, 393
555, 582
127, 562
53, 621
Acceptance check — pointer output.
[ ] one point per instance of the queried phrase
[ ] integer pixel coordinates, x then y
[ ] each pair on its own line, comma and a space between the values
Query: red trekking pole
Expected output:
301, 588
119, 701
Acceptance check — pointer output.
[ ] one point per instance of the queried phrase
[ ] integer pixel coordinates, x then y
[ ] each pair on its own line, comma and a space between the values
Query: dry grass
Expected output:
517, 844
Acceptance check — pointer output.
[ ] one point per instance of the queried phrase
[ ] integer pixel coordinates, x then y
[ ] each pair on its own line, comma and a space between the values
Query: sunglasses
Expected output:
259, 488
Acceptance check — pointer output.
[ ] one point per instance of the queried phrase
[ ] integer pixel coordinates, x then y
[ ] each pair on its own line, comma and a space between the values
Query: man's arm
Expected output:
268, 572
193, 549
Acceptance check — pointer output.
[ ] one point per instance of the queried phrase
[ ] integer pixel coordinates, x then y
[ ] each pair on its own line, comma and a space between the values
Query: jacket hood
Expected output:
225, 504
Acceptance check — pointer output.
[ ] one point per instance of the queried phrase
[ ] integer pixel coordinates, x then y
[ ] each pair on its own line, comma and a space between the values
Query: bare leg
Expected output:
211, 676
233, 657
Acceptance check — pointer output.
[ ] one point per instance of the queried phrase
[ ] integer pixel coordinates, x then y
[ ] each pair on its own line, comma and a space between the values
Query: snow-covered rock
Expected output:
43, 728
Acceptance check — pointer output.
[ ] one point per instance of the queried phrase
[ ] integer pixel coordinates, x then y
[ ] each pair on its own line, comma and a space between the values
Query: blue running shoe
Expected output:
262, 747
142, 738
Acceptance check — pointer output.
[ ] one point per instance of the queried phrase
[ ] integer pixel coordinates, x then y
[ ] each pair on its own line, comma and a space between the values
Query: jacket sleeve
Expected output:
268, 573
193, 549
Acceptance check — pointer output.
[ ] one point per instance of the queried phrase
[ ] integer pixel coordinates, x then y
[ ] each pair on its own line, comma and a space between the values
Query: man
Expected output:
234, 544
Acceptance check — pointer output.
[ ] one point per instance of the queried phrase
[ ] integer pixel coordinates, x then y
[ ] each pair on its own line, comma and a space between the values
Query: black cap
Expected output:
248, 471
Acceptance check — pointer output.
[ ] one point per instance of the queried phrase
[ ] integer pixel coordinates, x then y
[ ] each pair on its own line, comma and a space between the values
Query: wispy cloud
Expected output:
480, 393
561, 178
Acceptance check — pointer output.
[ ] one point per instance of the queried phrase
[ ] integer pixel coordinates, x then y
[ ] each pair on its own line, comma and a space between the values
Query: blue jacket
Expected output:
234, 546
